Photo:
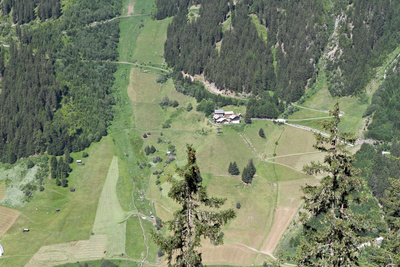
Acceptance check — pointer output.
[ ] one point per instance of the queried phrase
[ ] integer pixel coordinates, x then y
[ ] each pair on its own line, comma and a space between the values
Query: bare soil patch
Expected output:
7, 219
283, 217
131, 9
211, 86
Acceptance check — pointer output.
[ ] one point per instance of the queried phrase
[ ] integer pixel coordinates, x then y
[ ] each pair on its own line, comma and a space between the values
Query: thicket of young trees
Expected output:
56, 95
23, 11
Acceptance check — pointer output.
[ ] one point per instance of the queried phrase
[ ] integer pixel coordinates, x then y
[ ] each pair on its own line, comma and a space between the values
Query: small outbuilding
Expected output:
57, 210
25, 230
219, 112
72, 189
79, 161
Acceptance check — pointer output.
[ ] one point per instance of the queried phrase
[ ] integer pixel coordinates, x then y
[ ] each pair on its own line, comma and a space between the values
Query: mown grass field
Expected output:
7, 219
78, 209
110, 217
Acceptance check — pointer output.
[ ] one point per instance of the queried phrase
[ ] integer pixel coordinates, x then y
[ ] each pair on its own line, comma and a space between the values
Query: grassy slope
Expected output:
78, 209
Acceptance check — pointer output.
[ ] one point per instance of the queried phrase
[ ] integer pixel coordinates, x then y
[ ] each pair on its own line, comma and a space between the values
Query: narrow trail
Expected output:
141, 225
137, 65
250, 145
94, 23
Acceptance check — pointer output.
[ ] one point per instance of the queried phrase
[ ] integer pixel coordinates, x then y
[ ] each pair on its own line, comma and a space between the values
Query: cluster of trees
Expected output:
298, 33
376, 168
150, 150
366, 36
28, 100
244, 62
166, 102
233, 168
56, 95
23, 11
60, 170
264, 106
248, 172
385, 107
208, 101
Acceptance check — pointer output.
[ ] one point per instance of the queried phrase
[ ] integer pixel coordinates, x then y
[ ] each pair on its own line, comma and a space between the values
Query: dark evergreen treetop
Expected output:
190, 223
331, 229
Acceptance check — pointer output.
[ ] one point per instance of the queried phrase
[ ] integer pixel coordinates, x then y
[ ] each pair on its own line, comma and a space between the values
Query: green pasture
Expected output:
78, 209
130, 28
302, 114
149, 47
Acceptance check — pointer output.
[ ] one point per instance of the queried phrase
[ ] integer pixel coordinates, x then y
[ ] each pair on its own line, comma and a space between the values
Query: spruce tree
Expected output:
248, 172
330, 228
230, 170
67, 156
235, 169
245, 175
189, 222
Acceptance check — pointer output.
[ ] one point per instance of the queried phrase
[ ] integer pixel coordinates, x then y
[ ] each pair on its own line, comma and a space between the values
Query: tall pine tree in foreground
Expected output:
388, 254
190, 223
331, 229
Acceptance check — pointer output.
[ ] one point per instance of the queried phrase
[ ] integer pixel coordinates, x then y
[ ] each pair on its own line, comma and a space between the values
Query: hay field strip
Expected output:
7, 218
110, 217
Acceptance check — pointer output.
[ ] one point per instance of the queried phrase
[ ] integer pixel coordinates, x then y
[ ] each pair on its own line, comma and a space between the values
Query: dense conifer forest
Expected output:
55, 88
355, 35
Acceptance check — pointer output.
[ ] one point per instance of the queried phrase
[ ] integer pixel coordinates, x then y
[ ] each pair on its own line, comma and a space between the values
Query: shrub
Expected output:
161, 79
30, 164
156, 159
174, 104
85, 155
144, 135
238, 205
166, 125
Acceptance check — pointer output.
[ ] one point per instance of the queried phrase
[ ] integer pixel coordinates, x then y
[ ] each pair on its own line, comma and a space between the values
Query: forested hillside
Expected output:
349, 37
55, 89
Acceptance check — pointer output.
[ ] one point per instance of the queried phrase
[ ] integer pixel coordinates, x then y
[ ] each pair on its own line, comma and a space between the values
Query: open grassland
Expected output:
264, 146
7, 219
110, 216
2, 190
260, 222
78, 209
149, 47
129, 31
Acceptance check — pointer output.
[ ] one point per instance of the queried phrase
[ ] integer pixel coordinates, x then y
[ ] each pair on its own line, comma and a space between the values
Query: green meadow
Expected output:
118, 185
